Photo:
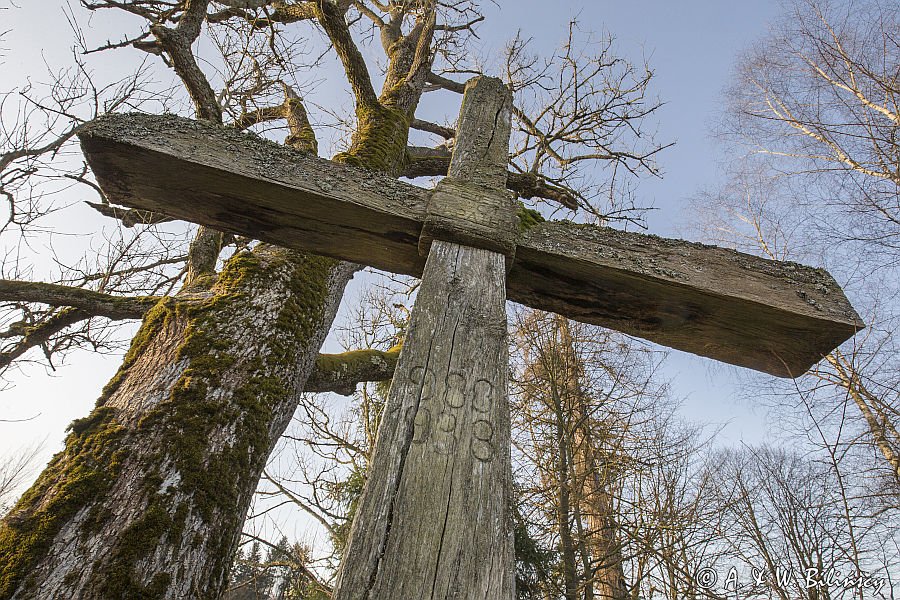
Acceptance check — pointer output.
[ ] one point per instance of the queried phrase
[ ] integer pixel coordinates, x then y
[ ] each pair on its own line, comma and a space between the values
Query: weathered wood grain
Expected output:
471, 216
776, 317
240, 183
432, 522
471, 206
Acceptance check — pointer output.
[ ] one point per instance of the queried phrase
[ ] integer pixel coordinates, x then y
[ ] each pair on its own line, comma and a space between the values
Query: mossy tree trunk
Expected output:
148, 497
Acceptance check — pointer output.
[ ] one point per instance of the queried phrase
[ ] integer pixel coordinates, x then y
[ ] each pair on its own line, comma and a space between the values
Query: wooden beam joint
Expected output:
471, 206
471, 215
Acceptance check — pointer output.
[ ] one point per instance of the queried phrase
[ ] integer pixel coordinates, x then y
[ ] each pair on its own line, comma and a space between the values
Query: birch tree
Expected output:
813, 126
819, 96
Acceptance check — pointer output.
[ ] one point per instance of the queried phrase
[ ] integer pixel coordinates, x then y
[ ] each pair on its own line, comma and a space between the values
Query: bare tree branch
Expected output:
444, 132
90, 302
331, 17
447, 84
435, 162
41, 333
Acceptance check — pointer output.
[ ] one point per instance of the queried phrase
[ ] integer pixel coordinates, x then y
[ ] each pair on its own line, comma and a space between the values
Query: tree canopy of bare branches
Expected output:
230, 328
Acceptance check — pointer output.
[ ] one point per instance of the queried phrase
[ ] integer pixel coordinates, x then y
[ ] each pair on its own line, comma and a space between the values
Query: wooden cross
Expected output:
433, 520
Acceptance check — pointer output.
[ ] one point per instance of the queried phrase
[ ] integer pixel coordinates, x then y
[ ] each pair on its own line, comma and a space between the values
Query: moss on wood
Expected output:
177, 432
117, 581
342, 372
154, 320
353, 360
192, 416
528, 218
302, 135
75, 477
379, 142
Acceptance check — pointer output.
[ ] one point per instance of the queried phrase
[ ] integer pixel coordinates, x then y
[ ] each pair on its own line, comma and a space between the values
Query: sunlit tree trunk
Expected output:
880, 425
605, 577
564, 502
148, 497
608, 581
590, 555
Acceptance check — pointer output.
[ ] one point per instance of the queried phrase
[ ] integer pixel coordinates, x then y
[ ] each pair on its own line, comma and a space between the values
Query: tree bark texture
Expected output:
609, 573
433, 521
148, 496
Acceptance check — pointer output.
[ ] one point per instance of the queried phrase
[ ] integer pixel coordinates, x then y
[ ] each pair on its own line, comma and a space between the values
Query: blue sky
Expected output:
691, 46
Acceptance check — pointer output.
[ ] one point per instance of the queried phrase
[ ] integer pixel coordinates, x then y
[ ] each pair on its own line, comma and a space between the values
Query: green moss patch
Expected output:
379, 142
528, 218
75, 477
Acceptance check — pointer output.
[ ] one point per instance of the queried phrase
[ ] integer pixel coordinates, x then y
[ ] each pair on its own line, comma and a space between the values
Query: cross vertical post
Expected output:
433, 520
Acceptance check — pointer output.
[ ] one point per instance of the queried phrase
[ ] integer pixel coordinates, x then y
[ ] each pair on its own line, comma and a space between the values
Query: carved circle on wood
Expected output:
482, 438
454, 392
445, 434
482, 392
443, 425
422, 426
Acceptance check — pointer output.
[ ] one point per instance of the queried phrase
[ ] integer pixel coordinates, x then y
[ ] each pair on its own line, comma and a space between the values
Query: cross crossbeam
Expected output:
776, 317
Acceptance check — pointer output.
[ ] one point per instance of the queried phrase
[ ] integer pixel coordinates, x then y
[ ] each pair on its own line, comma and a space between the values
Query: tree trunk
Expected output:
609, 573
563, 507
605, 578
884, 434
148, 497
